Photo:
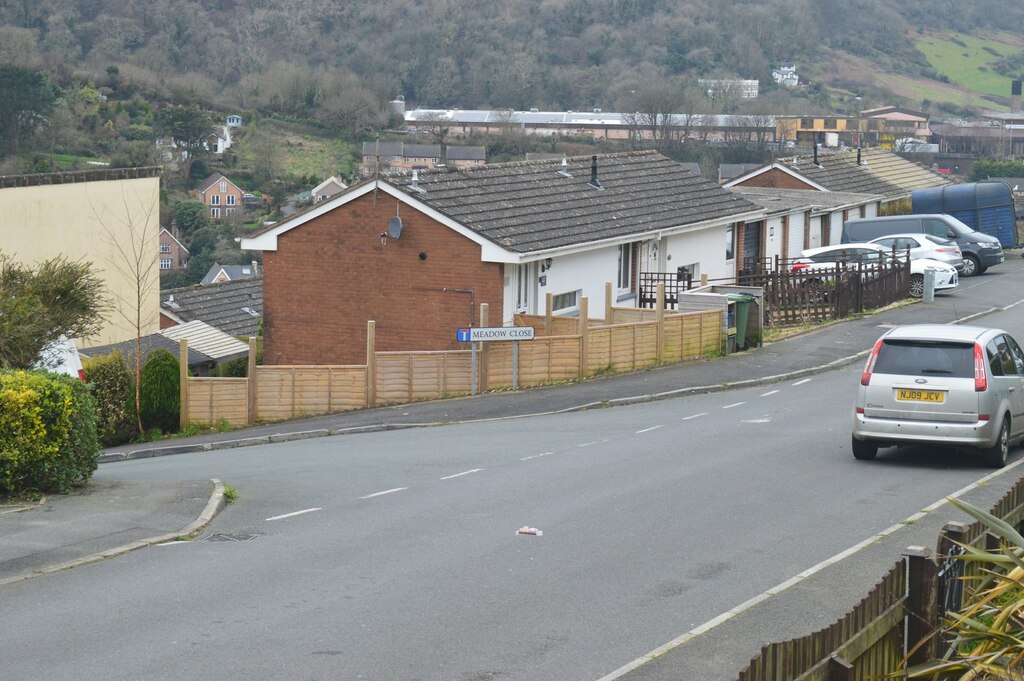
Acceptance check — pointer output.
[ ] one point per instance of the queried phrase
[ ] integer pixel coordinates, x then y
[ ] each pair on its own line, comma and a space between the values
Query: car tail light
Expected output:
865, 378
797, 266
980, 374
947, 249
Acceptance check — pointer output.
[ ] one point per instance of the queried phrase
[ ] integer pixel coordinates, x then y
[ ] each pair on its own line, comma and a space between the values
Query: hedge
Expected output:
113, 388
48, 439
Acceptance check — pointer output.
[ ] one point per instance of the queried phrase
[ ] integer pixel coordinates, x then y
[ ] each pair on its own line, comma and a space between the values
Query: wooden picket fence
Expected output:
563, 349
900, 621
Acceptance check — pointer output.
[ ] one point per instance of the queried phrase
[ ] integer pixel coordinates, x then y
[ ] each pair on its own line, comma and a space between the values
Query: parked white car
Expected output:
925, 246
830, 257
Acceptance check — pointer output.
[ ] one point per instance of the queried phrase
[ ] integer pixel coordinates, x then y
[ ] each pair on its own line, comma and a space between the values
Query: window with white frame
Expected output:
524, 281
562, 302
626, 257
165, 248
229, 211
215, 212
231, 199
215, 200
165, 263
223, 186
730, 241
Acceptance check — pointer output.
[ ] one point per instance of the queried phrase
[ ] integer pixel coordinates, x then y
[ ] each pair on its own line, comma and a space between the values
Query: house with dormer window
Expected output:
220, 195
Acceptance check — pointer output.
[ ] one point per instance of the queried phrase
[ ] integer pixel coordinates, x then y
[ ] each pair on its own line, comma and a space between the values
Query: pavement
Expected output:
105, 519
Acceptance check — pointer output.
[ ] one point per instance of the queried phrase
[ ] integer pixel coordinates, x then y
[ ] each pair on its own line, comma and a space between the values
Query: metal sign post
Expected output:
497, 333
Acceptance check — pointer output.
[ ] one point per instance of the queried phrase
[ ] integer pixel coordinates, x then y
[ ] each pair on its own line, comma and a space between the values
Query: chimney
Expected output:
1015, 97
816, 155
594, 182
858, 155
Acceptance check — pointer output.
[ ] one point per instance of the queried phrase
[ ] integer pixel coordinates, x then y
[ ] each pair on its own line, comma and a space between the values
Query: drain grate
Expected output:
230, 537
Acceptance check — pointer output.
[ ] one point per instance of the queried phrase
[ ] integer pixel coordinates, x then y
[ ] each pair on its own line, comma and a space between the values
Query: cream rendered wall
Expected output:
94, 222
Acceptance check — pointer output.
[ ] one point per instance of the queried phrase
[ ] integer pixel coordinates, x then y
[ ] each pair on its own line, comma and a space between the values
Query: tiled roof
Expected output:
210, 181
777, 200
466, 153
880, 172
421, 151
384, 149
233, 272
541, 205
234, 307
154, 341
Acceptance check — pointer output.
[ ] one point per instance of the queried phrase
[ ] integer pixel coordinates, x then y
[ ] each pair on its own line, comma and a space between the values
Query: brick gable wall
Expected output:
777, 179
331, 275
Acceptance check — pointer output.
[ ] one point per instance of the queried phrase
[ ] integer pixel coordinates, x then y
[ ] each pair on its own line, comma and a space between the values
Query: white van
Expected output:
61, 357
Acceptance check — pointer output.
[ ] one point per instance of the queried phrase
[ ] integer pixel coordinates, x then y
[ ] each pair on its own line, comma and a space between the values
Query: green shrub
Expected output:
113, 389
161, 392
47, 432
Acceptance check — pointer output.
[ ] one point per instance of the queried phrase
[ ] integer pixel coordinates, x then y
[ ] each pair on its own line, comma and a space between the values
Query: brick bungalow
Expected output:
506, 235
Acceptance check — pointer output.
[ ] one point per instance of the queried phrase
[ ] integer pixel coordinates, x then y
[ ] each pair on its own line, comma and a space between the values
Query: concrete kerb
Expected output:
214, 506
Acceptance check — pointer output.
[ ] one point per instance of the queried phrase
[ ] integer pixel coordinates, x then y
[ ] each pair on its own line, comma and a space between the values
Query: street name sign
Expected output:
494, 333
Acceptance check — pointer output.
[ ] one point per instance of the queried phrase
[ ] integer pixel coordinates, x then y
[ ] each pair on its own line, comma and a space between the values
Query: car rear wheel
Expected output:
971, 266
864, 450
917, 285
995, 456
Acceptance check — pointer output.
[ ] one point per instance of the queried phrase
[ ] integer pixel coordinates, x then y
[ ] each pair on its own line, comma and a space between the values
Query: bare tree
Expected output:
132, 239
656, 114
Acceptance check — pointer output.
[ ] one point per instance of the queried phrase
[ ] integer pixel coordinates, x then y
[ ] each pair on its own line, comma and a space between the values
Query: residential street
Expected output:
395, 555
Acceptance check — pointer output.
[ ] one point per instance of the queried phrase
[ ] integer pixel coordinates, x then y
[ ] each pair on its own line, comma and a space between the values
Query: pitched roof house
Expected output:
328, 188
863, 171
218, 274
173, 254
221, 195
419, 254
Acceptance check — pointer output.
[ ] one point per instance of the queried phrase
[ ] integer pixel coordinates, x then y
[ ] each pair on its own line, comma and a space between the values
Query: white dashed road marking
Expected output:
687, 418
290, 515
459, 475
647, 430
536, 456
770, 392
387, 491
806, 380
734, 404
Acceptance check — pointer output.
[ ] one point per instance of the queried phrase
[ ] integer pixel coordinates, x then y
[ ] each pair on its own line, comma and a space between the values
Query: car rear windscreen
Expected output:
923, 358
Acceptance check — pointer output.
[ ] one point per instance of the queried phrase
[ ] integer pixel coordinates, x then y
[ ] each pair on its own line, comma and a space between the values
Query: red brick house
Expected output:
506, 235
221, 196
173, 254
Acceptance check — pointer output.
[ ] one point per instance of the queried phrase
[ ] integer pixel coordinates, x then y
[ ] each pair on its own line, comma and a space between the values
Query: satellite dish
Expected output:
395, 227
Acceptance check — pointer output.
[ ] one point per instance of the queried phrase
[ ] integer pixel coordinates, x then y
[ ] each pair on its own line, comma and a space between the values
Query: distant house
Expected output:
735, 87
234, 307
786, 76
173, 254
218, 274
222, 196
328, 188
234, 121
399, 156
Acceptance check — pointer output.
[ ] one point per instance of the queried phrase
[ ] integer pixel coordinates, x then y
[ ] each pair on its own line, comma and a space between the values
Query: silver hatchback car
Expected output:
955, 386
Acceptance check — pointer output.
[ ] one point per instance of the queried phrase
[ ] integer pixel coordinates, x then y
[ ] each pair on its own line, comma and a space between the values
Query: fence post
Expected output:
371, 363
183, 415
659, 352
250, 374
548, 302
584, 329
838, 669
607, 302
485, 354
922, 606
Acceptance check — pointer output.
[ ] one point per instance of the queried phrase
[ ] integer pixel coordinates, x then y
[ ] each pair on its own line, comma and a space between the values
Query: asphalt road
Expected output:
395, 555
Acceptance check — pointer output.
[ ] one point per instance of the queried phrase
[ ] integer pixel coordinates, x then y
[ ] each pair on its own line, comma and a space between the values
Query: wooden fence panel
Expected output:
542, 360
869, 638
411, 376
211, 400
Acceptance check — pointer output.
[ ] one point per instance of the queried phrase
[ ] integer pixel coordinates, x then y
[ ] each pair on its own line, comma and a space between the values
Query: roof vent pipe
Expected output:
816, 154
594, 182
858, 155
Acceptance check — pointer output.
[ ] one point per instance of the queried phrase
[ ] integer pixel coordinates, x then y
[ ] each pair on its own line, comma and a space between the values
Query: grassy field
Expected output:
967, 61
303, 153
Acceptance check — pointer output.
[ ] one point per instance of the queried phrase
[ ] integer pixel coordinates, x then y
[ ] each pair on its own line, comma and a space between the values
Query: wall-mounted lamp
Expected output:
545, 265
